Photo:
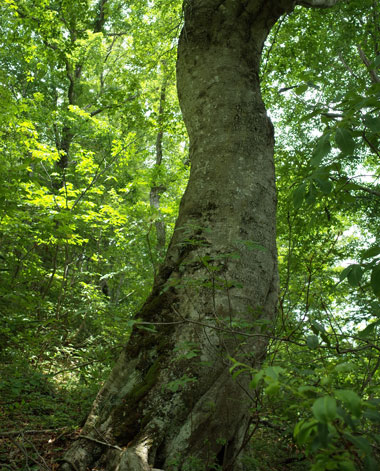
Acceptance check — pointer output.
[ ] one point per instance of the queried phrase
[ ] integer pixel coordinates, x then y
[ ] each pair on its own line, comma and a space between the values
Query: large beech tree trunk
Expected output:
170, 402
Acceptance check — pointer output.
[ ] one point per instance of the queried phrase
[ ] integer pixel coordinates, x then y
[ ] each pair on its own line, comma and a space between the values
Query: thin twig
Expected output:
38, 454
20, 432
235, 332
347, 66
27, 456
100, 442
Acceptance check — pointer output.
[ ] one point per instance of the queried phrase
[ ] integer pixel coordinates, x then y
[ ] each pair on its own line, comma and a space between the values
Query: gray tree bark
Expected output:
170, 402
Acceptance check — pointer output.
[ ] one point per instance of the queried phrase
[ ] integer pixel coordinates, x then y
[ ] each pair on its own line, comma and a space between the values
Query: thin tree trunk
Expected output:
157, 190
171, 402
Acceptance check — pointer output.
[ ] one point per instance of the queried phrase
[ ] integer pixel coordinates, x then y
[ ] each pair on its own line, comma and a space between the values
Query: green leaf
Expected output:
299, 195
347, 466
372, 123
312, 342
360, 442
272, 389
371, 252
308, 116
317, 327
371, 464
351, 400
376, 62
322, 148
375, 280
312, 194
345, 272
148, 328
344, 141
343, 367
304, 429
365, 333
273, 372
256, 379
301, 89
324, 409
355, 275
308, 391
324, 185
372, 415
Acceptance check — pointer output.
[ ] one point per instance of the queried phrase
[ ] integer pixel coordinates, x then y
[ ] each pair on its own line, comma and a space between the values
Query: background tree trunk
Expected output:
170, 401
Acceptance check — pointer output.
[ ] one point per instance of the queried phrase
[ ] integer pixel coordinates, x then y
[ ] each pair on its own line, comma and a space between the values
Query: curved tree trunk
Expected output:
170, 402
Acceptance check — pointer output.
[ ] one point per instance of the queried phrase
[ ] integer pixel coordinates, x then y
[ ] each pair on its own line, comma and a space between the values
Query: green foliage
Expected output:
79, 91
80, 99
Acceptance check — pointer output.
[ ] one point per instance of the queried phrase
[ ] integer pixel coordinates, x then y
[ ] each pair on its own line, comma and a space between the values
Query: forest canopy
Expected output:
94, 161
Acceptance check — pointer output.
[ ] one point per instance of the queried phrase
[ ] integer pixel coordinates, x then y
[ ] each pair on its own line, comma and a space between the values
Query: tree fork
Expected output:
170, 402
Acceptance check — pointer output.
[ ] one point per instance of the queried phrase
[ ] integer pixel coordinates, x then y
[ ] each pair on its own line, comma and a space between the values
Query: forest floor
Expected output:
41, 414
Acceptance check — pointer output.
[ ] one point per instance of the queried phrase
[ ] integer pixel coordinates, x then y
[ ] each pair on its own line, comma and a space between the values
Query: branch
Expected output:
317, 3
366, 62
359, 187
20, 432
100, 442
347, 66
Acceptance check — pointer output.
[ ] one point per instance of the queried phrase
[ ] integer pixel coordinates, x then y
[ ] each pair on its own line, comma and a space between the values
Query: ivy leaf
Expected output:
375, 280
324, 409
344, 141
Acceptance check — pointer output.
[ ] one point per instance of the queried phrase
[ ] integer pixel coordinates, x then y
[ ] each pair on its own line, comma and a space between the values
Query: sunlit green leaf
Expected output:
371, 252
322, 149
301, 89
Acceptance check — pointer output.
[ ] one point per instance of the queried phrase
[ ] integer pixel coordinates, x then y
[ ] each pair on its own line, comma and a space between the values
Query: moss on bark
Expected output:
129, 413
